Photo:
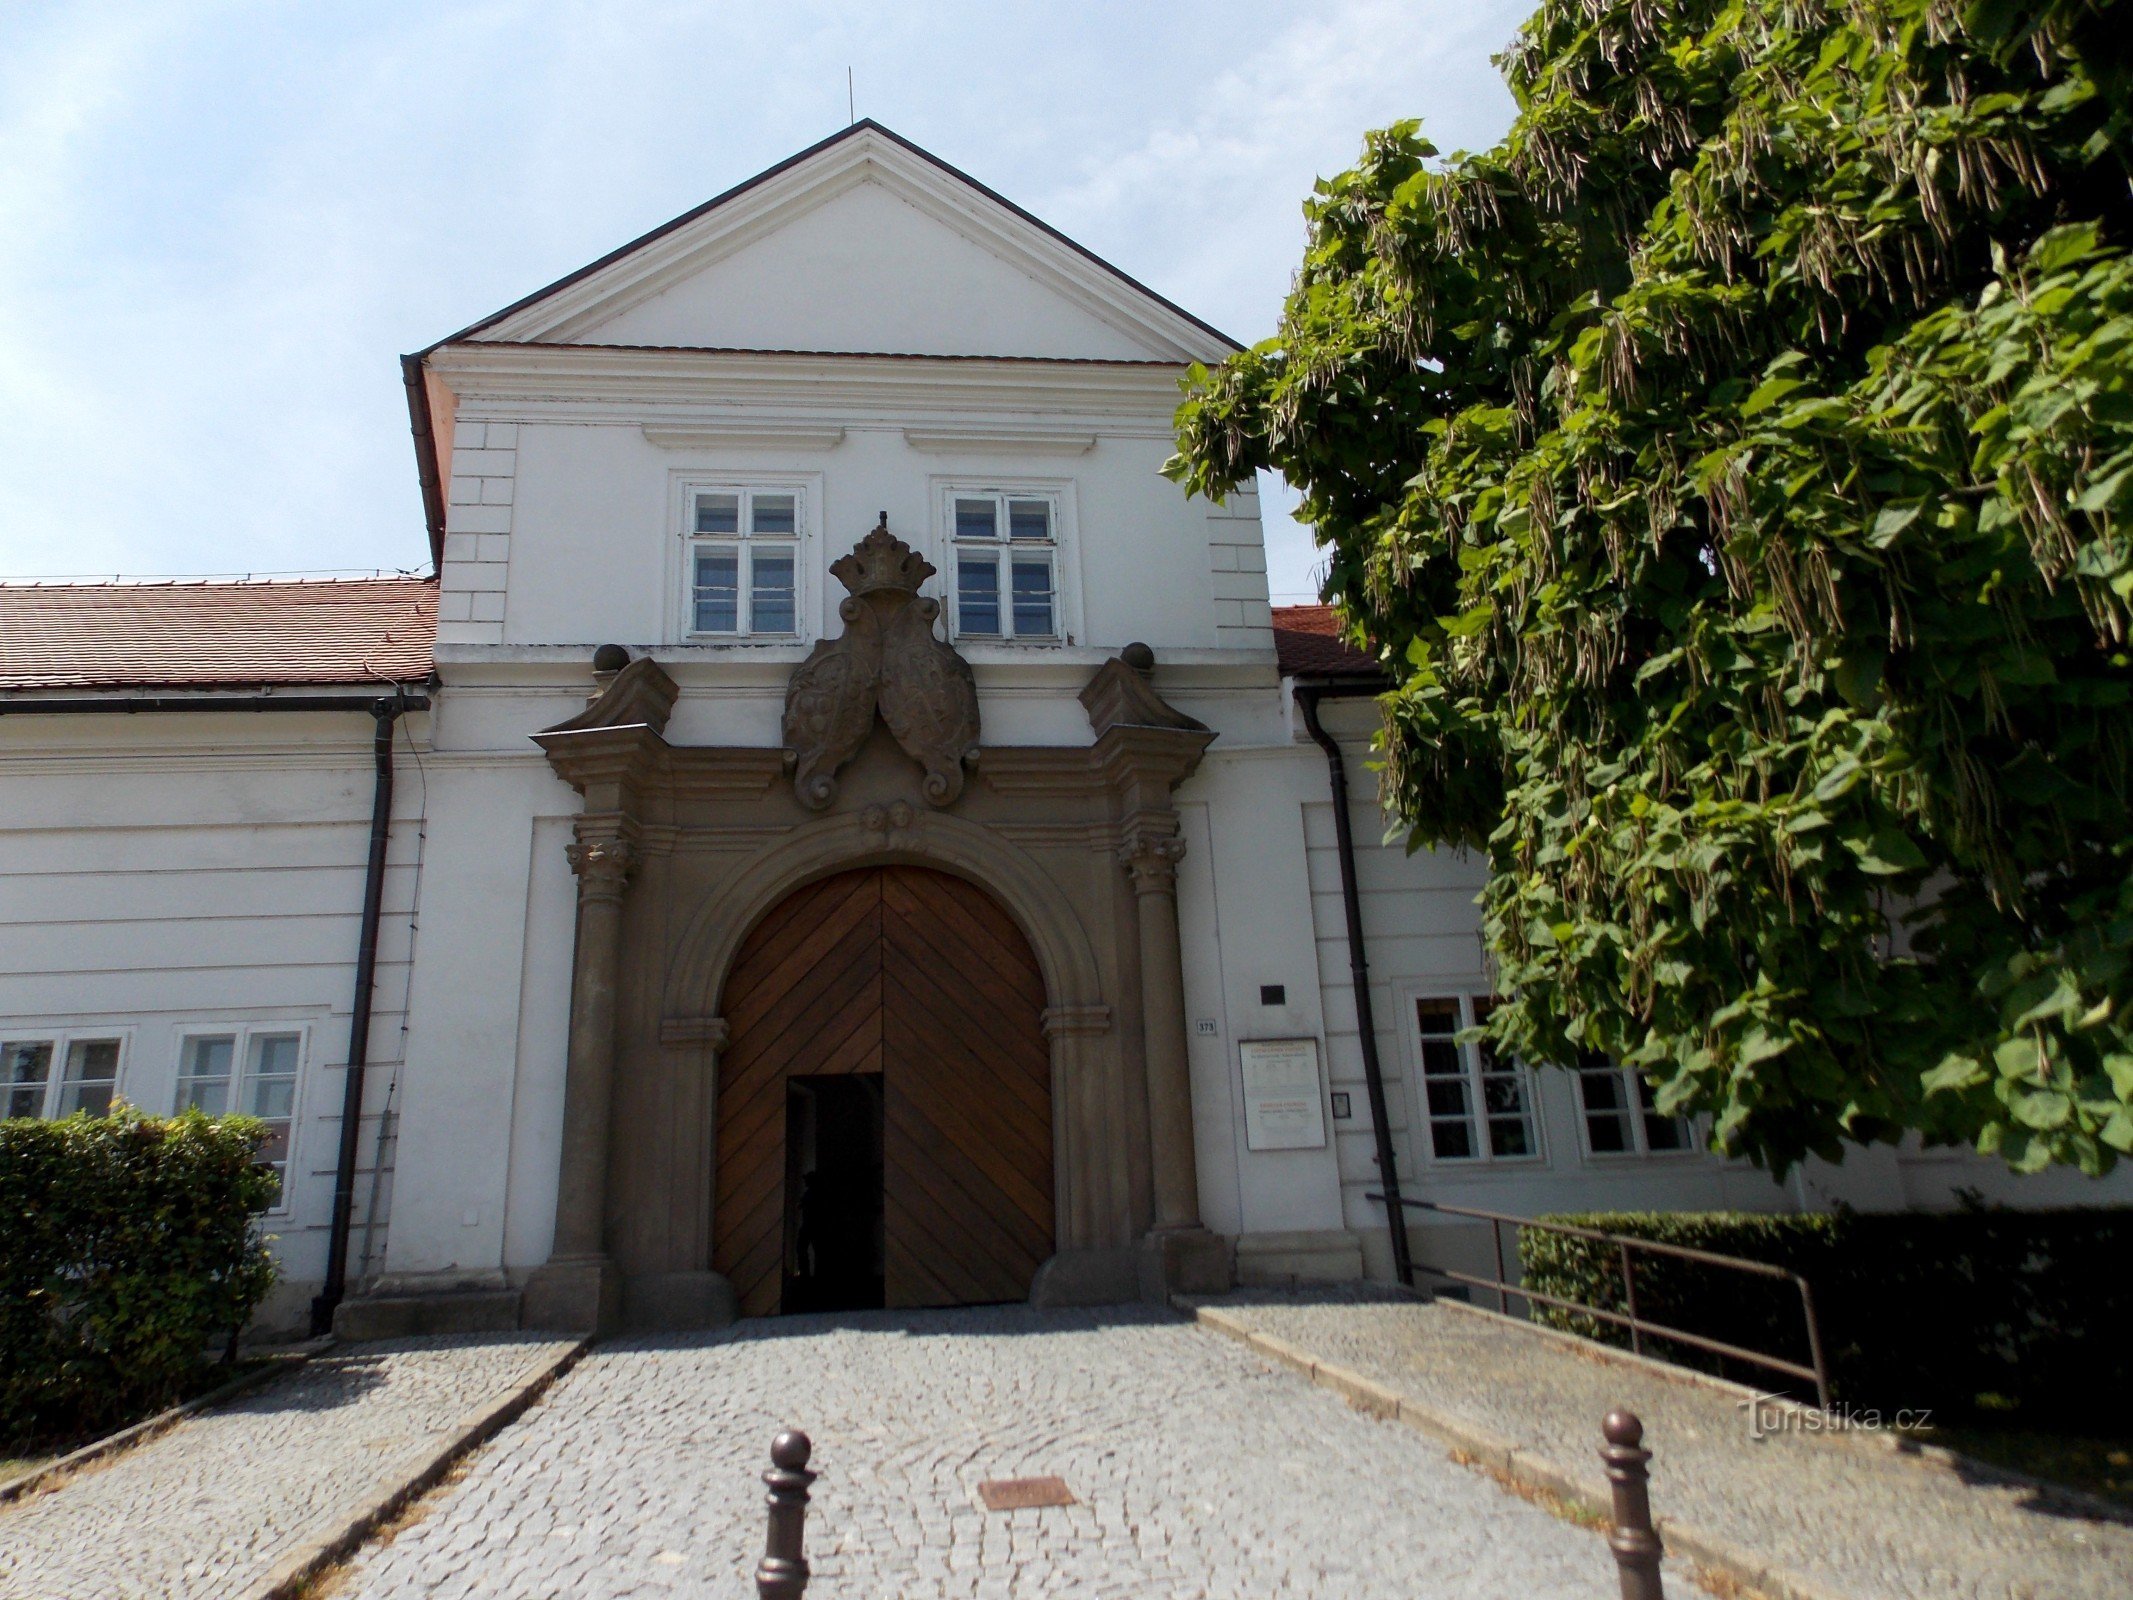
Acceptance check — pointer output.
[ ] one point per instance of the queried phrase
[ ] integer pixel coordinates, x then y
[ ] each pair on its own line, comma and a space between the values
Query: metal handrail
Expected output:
1817, 1373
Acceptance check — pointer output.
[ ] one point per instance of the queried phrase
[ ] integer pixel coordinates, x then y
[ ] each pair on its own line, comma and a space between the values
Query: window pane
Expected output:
1662, 1133
1033, 599
1451, 1141
770, 598
1503, 1093
204, 1073
773, 513
1029, 519
92, 1077
274, 1054
977, 519
26, 1065
977, 580
1510, 1136
1607, 1131
718, 591
718, 513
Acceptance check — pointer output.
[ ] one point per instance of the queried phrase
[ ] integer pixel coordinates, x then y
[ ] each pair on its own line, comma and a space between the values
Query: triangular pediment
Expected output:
864, 243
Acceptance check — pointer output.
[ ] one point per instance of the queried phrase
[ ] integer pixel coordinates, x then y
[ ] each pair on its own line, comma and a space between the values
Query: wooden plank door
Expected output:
967, 1096
804, 997
922, 977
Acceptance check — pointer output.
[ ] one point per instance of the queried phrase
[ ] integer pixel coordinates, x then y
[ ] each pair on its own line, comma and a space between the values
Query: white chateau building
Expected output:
838, 828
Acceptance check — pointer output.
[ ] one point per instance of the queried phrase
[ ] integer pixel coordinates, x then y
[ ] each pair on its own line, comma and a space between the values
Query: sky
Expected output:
221, 221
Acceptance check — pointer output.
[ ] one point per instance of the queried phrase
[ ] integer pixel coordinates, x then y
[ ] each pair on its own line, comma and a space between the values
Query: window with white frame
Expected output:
1620, 1117
744, 562
1005, 546
251, 1071
1477, 1104
56, 1075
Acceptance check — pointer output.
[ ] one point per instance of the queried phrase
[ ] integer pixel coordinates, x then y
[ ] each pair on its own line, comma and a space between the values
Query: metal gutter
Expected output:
79, 705
1308, 696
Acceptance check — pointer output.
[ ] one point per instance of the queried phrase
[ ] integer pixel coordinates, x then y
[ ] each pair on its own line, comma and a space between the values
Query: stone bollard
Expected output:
1633, 1540
782, 1573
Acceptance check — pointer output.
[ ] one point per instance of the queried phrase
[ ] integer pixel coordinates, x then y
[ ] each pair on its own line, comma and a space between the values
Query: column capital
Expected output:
603, 863
1151, 856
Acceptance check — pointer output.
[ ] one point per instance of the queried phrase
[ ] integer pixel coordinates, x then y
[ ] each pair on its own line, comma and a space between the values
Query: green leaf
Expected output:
1884, 851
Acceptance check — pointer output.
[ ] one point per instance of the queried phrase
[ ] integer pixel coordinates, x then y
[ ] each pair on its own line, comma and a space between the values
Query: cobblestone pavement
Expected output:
1848, 1517
211, 1507
1200, 1470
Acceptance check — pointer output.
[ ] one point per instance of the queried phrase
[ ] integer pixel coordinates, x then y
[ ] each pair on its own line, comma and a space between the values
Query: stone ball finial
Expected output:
789, 1450
611, 658
1622, 1428
1138, 656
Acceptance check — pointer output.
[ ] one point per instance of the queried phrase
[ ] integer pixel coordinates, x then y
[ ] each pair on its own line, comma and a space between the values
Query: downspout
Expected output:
1307, 698
385, 714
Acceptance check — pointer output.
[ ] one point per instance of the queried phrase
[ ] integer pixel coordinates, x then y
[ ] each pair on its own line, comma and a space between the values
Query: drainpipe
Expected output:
385, 713
1307, 698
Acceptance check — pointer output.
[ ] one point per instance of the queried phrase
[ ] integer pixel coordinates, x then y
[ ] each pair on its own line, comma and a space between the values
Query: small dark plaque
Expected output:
1014, 1494
1340, 1106
1273, 994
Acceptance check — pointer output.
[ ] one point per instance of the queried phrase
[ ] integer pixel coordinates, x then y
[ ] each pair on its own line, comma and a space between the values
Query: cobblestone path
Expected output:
210, 1508
1848, 1517
1201, 1470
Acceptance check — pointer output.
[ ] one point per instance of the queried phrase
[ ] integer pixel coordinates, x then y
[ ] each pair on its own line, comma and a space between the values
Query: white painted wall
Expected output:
196, 873
866, 269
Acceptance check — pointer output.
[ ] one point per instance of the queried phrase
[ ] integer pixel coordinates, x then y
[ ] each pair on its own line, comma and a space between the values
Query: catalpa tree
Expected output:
1733, 470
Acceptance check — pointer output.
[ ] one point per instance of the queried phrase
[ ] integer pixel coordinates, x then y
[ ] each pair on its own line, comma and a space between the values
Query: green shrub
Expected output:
1973, 1312
126, 1245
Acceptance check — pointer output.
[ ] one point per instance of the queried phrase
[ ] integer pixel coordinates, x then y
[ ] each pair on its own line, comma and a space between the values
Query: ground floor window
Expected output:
251, 1071
57, 1075
1478, 1104
1620, 1118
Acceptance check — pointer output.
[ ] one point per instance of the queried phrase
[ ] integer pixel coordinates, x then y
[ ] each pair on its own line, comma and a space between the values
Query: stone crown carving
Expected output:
887, 662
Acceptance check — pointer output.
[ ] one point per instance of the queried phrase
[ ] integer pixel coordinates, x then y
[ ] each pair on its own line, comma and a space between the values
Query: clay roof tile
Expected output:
216, 635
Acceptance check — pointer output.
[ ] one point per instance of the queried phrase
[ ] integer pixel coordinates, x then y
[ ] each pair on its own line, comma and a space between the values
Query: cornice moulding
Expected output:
621, 383
740, 435
1019, 441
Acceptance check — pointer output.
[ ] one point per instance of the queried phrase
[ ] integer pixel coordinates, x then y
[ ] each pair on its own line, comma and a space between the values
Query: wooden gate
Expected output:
921, 977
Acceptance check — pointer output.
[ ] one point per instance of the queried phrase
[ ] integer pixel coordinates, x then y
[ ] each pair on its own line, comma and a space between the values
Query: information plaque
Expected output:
1283, 1109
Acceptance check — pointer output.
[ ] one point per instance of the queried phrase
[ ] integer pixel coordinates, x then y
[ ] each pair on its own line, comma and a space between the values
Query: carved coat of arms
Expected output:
887, 661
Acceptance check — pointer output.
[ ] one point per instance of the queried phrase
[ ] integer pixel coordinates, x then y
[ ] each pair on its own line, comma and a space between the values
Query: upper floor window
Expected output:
247, 1070
744, 562
1006, 558
57, 1075
1620, 1118
1478, 1104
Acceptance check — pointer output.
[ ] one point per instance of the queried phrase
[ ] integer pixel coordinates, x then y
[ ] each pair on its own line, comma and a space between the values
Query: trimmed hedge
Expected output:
1974, 1312
126, 1246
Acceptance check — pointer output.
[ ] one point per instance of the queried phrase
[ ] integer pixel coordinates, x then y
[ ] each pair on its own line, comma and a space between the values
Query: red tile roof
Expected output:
216, 635
1308, 644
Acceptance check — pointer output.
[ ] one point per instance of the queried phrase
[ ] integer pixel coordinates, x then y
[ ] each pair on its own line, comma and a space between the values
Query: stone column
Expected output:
1178, 1254
579, 1288
1152, 858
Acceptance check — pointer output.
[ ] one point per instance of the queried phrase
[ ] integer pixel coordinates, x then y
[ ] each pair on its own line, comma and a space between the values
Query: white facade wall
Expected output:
158, 873
163, 876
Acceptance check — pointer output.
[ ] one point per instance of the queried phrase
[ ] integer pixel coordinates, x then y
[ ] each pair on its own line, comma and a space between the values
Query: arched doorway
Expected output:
884, 1102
